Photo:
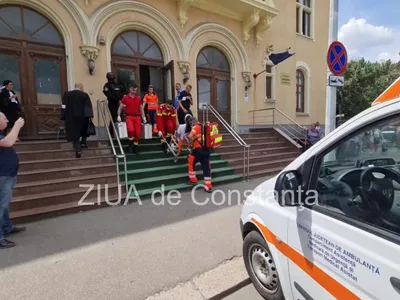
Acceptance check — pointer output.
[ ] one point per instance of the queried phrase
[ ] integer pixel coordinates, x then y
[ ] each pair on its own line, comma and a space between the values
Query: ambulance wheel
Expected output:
261, 267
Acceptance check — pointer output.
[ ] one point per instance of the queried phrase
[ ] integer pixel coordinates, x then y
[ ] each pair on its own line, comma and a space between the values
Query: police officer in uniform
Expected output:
113, 92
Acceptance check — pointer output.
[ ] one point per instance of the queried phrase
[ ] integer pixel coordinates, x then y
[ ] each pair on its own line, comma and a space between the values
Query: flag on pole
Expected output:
392, 92
277, 58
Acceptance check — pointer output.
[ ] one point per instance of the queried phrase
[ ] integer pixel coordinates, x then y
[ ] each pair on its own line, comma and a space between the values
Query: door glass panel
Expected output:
153, 52
204, 92
121, 48
6, 30
132, 40
33, 21
9, 70
222, 95
48, 82
48, 34
145, 42
12, 16
126, 77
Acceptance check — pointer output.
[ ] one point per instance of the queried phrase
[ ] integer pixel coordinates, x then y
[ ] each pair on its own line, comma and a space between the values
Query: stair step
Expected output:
262, 158
62, 173
37, 200
265, 166
156, 182
32, 165
262, 173
63, 184
55, 145
27, 215
183, 186
255, 152
162, 169
60, 153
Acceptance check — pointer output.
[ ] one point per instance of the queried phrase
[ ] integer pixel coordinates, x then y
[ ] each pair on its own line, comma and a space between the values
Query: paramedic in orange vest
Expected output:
199, 154
166, 123
134, 114
151, 101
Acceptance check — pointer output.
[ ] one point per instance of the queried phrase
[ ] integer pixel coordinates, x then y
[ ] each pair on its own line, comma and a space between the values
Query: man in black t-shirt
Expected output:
9, 165
185, 101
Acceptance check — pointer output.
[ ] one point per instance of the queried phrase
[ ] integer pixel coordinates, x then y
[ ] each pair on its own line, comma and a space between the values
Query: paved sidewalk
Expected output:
125, 252
210, 285
246, 293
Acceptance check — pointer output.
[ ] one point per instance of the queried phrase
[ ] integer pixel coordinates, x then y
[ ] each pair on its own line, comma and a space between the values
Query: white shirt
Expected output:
181, 131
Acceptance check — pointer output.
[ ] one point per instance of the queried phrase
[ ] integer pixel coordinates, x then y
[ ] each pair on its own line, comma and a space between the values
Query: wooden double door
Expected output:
214, 87
143, 73
39, 76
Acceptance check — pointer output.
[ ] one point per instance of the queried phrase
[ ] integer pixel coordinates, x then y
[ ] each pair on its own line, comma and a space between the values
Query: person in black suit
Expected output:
78, 112
9, 104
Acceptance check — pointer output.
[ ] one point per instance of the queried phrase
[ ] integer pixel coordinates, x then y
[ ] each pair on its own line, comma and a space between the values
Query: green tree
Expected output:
364, 82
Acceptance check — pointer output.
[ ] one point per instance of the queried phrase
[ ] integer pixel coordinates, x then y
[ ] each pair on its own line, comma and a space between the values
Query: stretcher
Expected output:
176, 147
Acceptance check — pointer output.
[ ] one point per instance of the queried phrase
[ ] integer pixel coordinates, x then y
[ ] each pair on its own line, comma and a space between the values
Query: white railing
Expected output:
104, 112
277, 119
208, 108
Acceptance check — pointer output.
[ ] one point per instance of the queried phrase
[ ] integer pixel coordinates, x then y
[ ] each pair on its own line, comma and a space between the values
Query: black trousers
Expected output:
83, 136
182, 114
78, 144
114, 115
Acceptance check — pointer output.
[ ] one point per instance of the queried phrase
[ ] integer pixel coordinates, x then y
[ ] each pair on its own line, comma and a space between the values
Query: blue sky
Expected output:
370, 30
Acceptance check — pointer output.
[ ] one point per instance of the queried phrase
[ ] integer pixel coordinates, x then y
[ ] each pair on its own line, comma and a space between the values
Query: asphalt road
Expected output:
125, 252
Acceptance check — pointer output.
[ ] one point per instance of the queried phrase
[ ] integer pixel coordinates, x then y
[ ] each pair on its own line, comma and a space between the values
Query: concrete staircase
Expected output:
50, 176
270, 152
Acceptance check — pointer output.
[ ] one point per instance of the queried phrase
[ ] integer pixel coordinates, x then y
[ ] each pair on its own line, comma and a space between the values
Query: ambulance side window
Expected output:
359, 178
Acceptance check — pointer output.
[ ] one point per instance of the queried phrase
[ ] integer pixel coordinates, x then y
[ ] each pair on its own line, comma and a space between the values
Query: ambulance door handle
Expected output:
395, 283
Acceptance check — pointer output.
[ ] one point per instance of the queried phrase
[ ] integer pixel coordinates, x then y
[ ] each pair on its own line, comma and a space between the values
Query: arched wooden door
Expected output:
213, 82
32, 55
137, 59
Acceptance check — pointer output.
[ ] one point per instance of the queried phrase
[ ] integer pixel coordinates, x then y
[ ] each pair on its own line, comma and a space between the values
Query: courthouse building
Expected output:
214, 45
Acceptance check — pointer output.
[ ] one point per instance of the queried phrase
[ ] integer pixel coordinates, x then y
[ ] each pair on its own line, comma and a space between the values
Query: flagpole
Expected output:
331, 91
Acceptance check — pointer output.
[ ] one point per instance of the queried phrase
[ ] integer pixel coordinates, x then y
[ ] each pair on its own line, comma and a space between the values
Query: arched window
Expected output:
25, 24
300, 91
212, 58
136, 44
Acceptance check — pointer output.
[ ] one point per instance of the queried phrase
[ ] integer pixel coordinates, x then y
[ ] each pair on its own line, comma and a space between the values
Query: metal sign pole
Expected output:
330, 116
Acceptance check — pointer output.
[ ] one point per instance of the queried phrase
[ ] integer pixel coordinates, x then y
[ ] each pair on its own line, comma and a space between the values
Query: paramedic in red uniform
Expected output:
199, 154
166, 123
134, 115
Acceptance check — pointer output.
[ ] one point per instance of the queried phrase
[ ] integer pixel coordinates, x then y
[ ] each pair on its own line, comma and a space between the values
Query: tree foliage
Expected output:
364, 82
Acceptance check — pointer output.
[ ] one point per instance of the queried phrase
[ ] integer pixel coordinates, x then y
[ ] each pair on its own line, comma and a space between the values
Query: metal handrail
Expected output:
103, 110
292, 123
236, 136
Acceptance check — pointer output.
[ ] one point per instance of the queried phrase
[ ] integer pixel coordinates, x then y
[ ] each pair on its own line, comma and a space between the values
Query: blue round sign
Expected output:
337, 58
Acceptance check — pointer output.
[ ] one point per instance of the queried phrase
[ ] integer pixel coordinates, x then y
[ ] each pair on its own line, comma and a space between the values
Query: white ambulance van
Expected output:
328, 226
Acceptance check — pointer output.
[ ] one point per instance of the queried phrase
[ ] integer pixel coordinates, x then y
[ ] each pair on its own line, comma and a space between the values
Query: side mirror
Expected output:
289, 189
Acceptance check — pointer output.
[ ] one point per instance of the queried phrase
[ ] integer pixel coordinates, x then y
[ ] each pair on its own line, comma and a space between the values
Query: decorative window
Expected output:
137, 44
300, 91
25, 24
212, 58
304, 13
270, 83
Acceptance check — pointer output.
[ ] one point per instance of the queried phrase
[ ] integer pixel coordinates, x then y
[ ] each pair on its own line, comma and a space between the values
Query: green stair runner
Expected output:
153, 170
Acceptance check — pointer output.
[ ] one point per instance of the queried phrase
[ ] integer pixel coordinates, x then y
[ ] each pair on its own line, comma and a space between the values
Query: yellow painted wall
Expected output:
81, 19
